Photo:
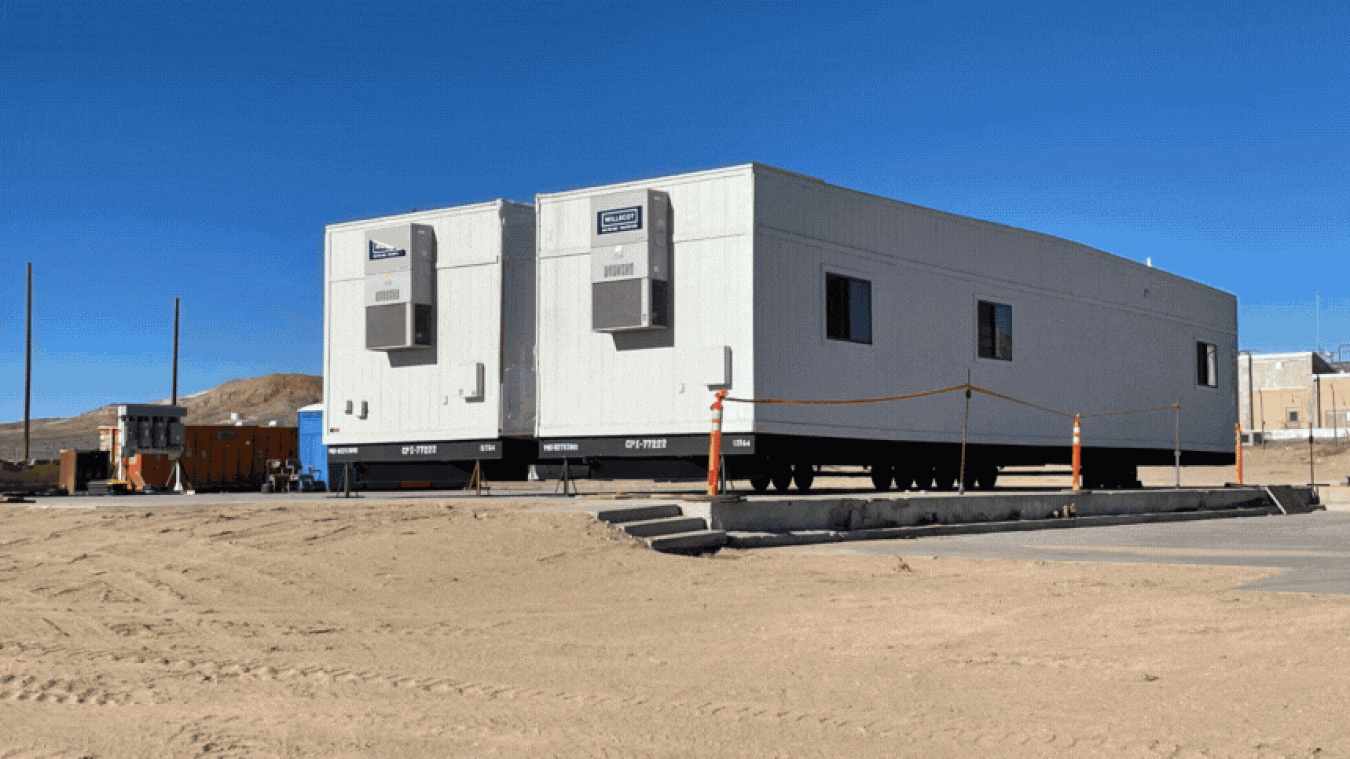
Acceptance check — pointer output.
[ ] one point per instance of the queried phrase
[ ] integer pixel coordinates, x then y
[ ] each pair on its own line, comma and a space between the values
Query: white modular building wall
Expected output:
751, 248
595, 383
475, 382
1091, 332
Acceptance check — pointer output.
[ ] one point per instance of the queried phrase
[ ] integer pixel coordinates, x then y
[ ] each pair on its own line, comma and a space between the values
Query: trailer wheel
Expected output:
803, 475
985, 476
760, 482
923, 477
782, 476
944, 478
1092, 478
903, 476
881, 477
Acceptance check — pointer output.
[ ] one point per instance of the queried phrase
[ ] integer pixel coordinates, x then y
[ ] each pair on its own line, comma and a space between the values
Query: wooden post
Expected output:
1238, 430
715, 443
476, 481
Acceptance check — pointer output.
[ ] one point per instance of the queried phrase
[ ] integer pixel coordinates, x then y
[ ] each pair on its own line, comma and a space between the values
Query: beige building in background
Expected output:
1288, 391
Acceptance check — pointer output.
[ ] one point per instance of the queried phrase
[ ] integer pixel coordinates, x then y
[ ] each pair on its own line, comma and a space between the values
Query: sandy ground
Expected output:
514, 626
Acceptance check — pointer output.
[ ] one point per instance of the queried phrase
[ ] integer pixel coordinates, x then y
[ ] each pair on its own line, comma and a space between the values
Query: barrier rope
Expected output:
1168, 407
1015, 400
845, 402
953, 388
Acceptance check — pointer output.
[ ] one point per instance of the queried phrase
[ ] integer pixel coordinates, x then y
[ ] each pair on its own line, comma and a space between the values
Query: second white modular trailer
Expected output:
654, 294
429, 344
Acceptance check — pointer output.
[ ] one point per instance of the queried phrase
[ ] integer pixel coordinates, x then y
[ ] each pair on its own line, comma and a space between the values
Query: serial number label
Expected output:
552, 447
740, 443
418, 450
645, 444
488, 447
343, 451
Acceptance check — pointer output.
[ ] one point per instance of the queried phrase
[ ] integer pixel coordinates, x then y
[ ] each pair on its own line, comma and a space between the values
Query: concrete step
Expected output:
697, 540
647, 528
626, 514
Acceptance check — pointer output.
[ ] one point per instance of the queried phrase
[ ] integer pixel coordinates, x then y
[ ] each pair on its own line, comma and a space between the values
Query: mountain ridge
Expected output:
258, 400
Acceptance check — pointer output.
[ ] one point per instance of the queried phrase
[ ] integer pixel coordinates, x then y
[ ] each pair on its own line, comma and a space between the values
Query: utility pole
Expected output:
174, 401
28, 368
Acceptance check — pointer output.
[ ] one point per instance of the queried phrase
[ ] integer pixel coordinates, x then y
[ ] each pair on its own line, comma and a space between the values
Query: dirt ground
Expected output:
514, 626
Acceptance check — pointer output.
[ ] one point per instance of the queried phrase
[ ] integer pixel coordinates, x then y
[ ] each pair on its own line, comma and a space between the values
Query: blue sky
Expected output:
197, 149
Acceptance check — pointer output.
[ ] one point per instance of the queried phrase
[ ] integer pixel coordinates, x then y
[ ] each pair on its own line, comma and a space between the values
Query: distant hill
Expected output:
258, 400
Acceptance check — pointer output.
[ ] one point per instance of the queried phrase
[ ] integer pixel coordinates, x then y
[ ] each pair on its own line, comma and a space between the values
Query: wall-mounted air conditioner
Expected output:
630, 261
400, 287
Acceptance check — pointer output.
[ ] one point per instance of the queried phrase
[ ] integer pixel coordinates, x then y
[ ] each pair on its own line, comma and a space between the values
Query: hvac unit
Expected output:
400, 287
630, 261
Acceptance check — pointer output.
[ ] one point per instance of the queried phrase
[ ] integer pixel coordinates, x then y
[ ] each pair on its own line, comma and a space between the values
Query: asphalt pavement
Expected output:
1313, 548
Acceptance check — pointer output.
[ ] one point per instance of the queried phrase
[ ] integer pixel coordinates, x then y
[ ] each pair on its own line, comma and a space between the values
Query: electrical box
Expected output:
630, 261
147, 428
400, 287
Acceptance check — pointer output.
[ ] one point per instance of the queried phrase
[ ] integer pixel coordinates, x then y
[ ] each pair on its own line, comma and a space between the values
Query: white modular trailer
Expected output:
429, 343
778, 285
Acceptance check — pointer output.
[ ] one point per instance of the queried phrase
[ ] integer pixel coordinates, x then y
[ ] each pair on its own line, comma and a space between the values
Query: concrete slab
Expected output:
647, 528
804, 513
696, 540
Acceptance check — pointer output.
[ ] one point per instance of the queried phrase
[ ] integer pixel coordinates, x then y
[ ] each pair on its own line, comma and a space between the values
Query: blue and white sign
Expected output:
619, 220
379, 250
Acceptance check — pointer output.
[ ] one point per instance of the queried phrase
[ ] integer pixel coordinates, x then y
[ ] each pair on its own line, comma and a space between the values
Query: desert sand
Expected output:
515, 626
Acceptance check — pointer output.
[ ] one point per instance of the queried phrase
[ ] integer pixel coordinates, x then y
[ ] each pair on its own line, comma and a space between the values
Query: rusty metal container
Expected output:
234, 458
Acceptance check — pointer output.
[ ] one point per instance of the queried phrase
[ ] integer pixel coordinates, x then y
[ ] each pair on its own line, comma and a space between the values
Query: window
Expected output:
1291, 415
848, 309
995, 330
1206, 365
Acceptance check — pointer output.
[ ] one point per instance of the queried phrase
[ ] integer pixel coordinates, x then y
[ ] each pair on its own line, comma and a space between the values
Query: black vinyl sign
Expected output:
619, 220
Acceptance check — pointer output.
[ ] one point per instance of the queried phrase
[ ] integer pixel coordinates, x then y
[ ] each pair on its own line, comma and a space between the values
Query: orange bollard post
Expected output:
715, 443
1077, 449
1238, 427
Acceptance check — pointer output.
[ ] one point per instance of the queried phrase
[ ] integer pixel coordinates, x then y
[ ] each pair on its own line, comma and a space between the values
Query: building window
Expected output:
1206, 365
1291, 415
995, 330
848, 309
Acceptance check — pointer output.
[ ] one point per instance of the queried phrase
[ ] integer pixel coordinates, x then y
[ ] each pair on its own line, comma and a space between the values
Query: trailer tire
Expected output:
985, 476
944, 478
759, 482
923, 478
782, 476
881, 477
903, 477
803, 475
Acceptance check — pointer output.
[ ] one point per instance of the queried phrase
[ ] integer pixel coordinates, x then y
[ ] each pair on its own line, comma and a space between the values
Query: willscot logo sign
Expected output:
379, 250
619, 220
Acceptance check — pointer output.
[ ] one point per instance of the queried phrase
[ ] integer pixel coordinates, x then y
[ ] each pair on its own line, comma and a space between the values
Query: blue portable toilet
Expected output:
313, 453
